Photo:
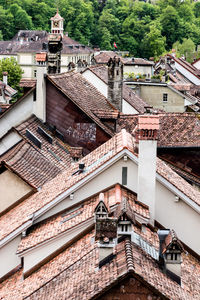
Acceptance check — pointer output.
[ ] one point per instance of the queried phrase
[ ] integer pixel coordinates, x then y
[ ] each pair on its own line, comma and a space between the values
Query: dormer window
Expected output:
101, 211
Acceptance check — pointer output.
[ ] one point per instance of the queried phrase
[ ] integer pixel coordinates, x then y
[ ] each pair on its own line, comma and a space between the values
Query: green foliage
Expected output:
143, 29
186, 48
11, 66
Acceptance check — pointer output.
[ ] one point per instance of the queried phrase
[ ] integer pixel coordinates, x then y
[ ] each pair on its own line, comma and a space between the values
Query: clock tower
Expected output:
57, 24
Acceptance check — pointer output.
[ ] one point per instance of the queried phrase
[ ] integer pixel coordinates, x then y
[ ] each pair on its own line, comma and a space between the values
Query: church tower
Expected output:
57, 24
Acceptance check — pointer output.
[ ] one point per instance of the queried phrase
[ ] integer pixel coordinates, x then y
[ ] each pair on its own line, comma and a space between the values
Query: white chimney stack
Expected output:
5, 77
148, 127
40, 103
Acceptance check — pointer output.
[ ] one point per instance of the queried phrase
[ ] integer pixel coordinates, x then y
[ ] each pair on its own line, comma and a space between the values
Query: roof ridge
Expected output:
129, 255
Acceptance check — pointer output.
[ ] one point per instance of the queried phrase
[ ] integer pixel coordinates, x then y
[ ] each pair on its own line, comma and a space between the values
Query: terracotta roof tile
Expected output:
128, 94
79, 214
83, 94
63, 181
34, 165
78, 276
26, 82
176, 129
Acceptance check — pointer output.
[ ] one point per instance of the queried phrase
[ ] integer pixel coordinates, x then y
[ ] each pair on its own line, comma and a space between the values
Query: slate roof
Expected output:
65, 180
34, 165
128, 94
83, 94
33, 43
176, 129
74, 273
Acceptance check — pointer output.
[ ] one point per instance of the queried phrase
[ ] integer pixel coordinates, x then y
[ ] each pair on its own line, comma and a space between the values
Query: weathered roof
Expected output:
128, 94
33, 43
71, 218
34, 165
27, 82
176, 129
103, 58
79, 276
65, 180
83, 94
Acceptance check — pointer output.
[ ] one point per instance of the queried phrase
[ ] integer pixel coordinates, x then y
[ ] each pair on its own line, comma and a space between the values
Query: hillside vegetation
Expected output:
144, 29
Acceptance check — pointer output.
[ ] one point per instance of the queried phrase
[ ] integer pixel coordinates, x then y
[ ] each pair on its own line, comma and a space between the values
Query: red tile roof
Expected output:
41, 56
83, 94
128, 94
104, 57
63, 181
26, 82
176, 129
66, 220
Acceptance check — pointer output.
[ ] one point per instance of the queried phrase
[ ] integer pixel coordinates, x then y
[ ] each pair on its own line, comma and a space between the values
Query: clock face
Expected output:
56, 23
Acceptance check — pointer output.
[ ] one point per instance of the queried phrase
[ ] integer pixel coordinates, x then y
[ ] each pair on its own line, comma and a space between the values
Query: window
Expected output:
35, 73
165, 97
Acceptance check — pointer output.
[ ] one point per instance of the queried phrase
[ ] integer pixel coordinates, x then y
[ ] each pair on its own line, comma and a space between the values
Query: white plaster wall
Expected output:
27, 71
187, 74
8, 258
140, 69
104, 180
25, 59
12, 188
178, 216
9, 141
98, 83
128, 109
147, 175
20, 112
38, 254
39, 107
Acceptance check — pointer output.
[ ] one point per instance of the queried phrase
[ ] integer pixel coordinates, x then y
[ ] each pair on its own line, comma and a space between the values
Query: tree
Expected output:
187, 48
15, 72
170, 23
153, 43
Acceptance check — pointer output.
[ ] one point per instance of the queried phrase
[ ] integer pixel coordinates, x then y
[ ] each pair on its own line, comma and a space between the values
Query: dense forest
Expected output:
144, 29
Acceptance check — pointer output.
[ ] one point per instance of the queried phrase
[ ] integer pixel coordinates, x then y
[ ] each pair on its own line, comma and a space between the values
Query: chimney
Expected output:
5, 78
105, 231
148, 127
115, 82
39, 108
170, 254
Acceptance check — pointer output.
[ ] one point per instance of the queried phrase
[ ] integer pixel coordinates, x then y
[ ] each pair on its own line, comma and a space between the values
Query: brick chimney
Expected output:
115, 82
148, 127
5, 77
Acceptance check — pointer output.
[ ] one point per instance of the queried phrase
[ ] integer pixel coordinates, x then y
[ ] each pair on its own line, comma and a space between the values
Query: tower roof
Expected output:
57, 17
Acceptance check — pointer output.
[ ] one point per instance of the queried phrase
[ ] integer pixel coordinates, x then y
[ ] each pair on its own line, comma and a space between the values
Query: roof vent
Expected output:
45, 135
33, 138
81, 167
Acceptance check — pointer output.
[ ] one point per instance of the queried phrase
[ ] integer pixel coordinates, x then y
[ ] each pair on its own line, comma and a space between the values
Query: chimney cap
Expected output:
5, 73
148, 122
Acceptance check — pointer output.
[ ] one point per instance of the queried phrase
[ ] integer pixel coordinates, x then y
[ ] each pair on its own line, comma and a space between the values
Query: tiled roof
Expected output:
74, 273
26, 82
176, 129
81, 281
29, 164
68, 219
128, 94
35, 45
63, 181
104, 57
34, 165
83, 94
